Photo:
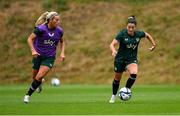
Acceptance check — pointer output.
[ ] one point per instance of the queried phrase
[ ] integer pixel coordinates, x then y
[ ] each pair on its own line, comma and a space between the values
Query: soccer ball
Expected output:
55, 81
124, 94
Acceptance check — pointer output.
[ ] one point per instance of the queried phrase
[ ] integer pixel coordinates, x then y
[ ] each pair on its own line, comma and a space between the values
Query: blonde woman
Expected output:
43, 43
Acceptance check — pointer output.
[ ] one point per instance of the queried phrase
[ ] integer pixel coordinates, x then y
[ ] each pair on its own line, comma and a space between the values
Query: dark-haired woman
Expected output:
126, 56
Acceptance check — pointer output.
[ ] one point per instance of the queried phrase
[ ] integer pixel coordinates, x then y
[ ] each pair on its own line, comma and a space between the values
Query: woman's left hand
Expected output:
152, 48
62, 57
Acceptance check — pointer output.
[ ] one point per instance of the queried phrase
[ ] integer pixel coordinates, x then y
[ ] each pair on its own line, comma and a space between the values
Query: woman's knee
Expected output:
133, 72
42, 72
133, 69
39, 76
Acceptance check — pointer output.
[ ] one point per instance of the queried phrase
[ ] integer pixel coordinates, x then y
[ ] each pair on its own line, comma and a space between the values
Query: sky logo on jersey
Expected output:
49, 42
131, 46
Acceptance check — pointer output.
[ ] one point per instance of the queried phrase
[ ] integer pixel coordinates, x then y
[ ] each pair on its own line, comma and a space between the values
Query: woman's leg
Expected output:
35, 72
43, 70
116, 81
42, 73
133, 70
115, 86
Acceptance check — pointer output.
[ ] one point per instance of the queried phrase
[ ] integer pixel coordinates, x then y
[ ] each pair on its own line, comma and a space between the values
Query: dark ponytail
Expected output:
132, 19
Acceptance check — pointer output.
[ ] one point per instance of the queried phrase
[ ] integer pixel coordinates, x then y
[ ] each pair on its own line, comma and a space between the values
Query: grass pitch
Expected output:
90, 100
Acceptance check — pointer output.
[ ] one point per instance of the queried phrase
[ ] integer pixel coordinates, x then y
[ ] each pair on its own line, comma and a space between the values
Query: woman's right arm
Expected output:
112, 47
30, 41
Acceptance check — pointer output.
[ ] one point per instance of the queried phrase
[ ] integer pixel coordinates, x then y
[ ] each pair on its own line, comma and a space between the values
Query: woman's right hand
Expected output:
35, 54
112, 47
114, 53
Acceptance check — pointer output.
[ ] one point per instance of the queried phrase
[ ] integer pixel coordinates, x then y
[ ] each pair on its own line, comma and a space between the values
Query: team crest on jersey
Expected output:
137, 39
51, 34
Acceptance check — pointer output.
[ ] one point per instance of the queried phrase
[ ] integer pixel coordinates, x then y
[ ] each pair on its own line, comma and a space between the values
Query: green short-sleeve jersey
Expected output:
128, 45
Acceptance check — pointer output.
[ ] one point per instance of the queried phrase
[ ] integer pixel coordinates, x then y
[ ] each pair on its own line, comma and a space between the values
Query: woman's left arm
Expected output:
150, 38
62, 47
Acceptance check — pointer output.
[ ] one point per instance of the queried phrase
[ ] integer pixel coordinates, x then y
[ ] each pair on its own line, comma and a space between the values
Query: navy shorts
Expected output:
43, 60
120, 66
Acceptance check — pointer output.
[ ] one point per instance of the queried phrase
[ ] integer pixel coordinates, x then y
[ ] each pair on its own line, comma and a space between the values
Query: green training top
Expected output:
128, 45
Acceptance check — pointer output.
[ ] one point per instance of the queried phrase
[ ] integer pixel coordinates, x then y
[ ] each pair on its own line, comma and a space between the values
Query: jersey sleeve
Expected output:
61, 39
119, 37
61, 32
142, 34
37, 31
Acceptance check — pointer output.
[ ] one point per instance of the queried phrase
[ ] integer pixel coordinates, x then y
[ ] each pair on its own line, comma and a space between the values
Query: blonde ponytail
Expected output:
41, 19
